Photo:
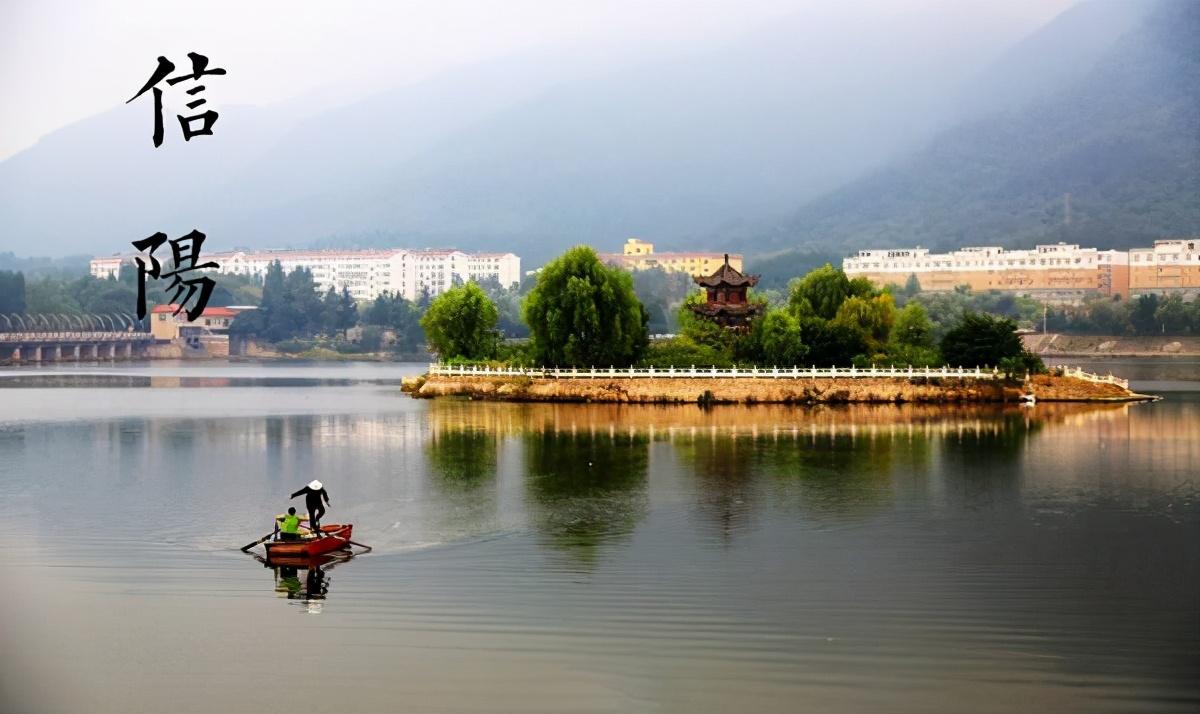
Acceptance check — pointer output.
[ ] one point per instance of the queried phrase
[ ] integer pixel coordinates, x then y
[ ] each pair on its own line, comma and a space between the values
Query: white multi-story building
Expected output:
365, 273
1056, 273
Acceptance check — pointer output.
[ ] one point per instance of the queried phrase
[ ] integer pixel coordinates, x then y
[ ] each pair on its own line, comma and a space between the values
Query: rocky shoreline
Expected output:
684, 390
1052, 346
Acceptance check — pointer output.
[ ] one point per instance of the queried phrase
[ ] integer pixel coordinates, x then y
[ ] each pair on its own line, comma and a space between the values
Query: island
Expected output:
793, 385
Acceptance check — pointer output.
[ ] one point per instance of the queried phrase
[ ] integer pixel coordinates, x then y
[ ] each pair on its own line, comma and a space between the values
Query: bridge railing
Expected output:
73, 336
693, 372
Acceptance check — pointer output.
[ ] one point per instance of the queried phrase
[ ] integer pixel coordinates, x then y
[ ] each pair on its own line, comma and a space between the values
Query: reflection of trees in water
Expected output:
838, 476
825, 475
983, 461
461, 459
462, 467
587, 488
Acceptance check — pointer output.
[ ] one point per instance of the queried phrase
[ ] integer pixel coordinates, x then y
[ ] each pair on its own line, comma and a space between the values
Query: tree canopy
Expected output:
461, 323
981, 339
582, 312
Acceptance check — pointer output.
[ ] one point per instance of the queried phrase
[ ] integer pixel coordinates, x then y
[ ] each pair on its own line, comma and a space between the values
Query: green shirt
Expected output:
291, 524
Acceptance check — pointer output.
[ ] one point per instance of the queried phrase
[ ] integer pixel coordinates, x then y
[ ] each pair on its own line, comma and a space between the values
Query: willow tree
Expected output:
461, 322
582, 312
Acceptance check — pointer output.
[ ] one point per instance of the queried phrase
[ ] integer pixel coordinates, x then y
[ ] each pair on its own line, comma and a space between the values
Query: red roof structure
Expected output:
208, 311
727, 303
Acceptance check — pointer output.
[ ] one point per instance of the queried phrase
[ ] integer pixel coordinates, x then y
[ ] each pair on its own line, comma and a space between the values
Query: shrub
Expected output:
682, 351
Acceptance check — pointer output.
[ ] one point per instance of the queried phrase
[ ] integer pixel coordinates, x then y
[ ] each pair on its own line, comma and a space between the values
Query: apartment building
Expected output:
1059, 273
365, 273
1171, 266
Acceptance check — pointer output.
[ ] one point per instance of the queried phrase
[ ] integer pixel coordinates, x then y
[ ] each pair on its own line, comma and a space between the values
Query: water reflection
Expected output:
462, 460
859, 558
586, 487
304, 579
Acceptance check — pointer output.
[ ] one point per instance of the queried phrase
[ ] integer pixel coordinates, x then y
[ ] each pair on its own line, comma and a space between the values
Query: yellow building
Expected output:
640, 255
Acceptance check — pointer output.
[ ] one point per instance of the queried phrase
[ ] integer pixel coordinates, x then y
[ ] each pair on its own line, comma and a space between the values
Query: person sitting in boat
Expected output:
313, 493
289, 525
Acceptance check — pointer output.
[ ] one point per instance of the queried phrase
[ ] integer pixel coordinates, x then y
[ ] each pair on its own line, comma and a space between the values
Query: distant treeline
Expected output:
576, 310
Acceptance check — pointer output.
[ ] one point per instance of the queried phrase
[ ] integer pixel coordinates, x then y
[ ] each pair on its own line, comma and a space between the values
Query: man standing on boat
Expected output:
313, 493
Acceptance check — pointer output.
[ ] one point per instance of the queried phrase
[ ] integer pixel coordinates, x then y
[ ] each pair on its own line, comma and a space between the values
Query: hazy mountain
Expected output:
1118, 139
531, 154
539, 152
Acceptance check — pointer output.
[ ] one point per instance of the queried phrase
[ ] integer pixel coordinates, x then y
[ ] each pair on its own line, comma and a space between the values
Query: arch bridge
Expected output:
53, 337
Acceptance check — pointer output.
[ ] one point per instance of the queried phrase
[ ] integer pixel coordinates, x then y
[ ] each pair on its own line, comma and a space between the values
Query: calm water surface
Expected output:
592, 558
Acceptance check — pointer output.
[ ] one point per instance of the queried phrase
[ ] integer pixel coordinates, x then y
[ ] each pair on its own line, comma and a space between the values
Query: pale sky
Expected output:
62, 60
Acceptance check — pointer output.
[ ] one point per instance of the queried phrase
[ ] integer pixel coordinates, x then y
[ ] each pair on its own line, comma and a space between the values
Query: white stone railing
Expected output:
693, 372
1089, 376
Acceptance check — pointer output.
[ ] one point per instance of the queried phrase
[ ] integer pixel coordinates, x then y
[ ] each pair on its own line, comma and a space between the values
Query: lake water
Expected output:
592, 558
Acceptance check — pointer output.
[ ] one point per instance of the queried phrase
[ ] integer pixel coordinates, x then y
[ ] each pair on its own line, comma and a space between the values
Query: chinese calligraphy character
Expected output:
185, 252
199, 69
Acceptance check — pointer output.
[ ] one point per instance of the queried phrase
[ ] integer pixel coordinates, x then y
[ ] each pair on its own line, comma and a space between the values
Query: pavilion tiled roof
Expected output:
728, 276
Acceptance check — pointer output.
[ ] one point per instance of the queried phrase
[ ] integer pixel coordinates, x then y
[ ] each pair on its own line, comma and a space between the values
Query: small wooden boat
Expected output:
332, 537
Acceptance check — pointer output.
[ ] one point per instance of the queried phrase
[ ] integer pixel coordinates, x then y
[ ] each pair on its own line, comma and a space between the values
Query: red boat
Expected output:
333, 537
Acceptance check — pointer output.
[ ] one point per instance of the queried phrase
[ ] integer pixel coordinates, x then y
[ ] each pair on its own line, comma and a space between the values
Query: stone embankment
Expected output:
1058, 345
674, 390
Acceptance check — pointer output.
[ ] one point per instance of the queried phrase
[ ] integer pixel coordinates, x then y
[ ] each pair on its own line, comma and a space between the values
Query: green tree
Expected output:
912, 286
819, 293
683, 351
399, 315
1110, 317
291, 307
981, 339
700, 330
873, 315
339, 312
902, 355
831, 343
461, 322
12, 292
862, 287
777, 337
913, 326
53, 296
1142, 317
582, 312
1173, 315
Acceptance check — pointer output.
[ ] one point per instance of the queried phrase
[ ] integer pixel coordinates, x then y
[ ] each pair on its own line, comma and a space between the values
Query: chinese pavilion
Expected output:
727, 304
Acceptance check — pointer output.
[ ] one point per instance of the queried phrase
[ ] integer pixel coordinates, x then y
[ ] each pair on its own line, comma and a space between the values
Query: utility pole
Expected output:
1044, 319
